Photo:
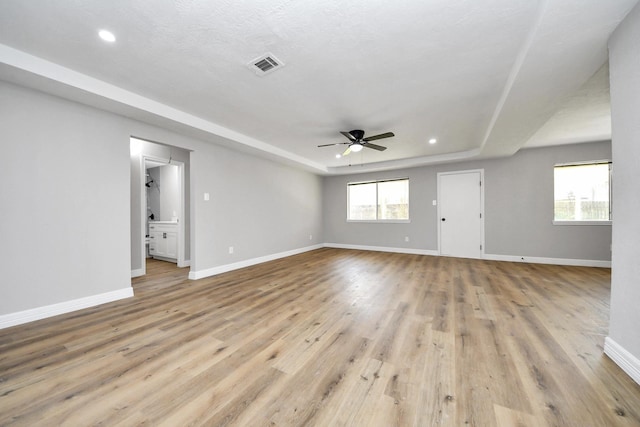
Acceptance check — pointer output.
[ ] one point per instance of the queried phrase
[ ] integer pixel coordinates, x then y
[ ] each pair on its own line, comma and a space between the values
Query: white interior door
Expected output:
460, 214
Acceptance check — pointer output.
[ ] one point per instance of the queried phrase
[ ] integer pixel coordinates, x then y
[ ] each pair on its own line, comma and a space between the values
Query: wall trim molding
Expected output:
382, 249
545, 260
137, 272
624, 359
25, 316
489, 257
195, 275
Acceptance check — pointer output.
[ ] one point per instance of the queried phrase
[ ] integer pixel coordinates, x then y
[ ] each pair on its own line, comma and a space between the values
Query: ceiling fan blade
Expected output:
347, 151
382, 135
349, 136
330, 145
374, 146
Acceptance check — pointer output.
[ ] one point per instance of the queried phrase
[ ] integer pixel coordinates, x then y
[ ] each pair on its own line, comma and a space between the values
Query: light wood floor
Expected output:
329, 338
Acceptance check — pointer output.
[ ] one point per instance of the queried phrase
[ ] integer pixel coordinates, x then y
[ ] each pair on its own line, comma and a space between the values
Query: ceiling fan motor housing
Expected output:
357, 134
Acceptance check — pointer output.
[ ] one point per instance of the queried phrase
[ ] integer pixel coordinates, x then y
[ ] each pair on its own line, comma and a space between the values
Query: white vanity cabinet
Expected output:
163, 240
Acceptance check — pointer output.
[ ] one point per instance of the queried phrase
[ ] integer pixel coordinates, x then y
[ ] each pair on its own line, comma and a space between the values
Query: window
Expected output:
582, 193
378, 200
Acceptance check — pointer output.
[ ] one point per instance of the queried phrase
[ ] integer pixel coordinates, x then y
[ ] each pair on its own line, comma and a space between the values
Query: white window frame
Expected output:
586, 222
379, 221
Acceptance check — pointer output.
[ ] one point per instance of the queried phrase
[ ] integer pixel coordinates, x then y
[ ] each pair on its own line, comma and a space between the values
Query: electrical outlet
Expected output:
434, 202
310, 236
230, 249
206, 197
406, 238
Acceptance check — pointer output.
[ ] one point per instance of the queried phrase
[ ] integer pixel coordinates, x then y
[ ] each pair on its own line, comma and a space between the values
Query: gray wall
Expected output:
66, 199
624, 51
257, 206
518, 208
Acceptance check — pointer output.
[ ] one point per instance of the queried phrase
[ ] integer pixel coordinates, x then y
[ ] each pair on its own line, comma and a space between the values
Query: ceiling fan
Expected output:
357, 141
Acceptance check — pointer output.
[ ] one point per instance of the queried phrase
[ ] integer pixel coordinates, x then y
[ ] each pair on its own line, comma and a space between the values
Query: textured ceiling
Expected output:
586, 116
482, 76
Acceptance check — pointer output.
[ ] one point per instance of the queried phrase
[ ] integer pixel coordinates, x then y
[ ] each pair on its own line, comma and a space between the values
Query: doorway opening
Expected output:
159, 205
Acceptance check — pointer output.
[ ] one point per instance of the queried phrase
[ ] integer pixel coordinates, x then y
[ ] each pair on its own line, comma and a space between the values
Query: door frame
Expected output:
439, 216
143, 208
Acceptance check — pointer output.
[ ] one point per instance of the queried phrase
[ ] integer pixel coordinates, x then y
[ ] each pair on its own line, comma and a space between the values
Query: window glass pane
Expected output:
393, 199
362, 201
581, 193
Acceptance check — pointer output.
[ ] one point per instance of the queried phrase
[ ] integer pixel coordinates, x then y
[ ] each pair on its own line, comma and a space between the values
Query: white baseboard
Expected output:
555, 261
509, 258
195, 275
13, 319
185, 263
625, 360
382, 249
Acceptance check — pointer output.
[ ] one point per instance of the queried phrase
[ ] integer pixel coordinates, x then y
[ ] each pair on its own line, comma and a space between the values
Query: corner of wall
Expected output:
624, 359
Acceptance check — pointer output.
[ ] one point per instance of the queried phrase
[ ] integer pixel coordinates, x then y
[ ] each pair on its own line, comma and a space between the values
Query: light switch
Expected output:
206, 197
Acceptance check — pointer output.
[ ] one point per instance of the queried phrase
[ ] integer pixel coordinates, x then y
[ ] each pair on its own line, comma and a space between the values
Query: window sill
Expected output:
581, 222
380, 221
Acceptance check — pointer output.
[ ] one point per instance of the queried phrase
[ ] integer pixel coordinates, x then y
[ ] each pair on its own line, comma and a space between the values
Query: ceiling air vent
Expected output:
265, 64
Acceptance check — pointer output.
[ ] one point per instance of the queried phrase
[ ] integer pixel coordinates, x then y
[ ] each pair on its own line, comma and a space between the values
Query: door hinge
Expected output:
480, 214
480, 247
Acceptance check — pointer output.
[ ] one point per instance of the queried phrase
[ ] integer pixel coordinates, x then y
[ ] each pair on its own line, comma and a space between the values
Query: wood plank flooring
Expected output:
329, 338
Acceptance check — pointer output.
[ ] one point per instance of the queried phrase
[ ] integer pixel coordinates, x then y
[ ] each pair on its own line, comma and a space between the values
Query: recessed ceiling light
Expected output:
433, 141
107, 36
338, 156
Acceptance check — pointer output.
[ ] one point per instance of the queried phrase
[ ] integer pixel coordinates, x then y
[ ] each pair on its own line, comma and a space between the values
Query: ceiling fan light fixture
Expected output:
357, 141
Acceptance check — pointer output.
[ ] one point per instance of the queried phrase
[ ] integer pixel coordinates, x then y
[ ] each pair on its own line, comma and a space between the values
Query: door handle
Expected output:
444, 219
